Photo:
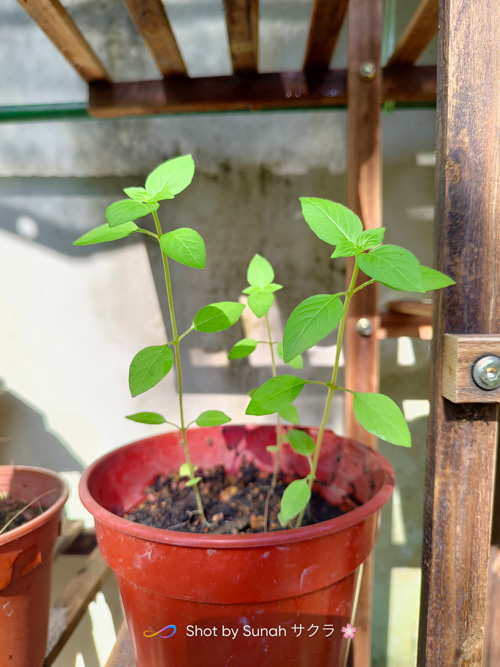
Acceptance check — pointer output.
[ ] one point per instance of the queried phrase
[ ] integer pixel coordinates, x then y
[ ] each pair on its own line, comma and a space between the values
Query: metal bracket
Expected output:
471, 368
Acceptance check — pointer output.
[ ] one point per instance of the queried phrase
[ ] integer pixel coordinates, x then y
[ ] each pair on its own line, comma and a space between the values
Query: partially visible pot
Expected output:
26, 566
287, 579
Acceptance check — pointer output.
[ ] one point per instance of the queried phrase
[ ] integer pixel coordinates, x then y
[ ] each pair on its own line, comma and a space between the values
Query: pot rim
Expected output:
48, 513
245, 541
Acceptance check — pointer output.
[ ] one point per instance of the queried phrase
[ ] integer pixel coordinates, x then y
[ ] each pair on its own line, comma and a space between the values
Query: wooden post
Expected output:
462, 437
364, 196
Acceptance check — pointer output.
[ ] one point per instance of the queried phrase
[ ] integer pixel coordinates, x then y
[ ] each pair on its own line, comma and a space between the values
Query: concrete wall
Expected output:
73, 318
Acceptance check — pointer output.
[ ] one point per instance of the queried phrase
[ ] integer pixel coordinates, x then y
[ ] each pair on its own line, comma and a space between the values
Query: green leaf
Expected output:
171, 177
192, 482
310, 322
331, 222
379, 415
184, 470
185, 246
371, 238
275, 394
105, 233
253, 289
393, 266
297, 495
260, 302
138, 194
217, 316
301, 442
147, 418
212, 418
260, 272
345, 249
127, 210
272, 287
148, 367
243, 348
297, 362
290, 414
433, 279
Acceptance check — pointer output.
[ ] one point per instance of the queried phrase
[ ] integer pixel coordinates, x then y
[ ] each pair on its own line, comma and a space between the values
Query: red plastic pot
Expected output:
26, 566
281, 598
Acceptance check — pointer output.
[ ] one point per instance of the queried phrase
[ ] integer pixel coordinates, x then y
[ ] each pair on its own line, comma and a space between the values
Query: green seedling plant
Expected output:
317, 316
260, 291
185, 246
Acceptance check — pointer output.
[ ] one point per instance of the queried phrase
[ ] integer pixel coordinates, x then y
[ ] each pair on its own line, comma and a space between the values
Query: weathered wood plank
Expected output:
326, 23
69, 533
395, 325
417, 35
151, 21
121, 655
60, 28
263, 91
462, 438
409, 83
364, 197
492, 623
242, 19
73, 602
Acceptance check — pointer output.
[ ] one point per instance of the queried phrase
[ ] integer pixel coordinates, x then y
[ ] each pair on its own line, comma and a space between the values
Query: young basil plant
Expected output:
317, 316
260, 291
185, 246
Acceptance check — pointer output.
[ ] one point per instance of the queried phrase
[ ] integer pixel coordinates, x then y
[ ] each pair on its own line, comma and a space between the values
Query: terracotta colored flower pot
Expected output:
267, 599
26, 566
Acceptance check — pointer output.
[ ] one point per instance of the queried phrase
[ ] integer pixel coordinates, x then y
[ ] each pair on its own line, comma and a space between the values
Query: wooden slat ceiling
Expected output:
246, 88
242, 19
60, 28
417, 35
151, 21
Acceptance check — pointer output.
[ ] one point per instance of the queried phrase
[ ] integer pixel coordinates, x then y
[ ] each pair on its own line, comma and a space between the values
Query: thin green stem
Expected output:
145, 231
278, 422
175, 335
368, 282
333, 384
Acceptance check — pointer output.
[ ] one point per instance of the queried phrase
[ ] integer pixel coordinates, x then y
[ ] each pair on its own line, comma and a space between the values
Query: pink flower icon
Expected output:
349, 631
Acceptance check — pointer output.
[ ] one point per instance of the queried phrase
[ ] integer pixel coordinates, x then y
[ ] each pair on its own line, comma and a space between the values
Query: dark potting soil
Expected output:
233, 505
14, 513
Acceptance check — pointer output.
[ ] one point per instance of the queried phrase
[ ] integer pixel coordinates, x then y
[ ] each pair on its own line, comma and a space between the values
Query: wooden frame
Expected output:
462, 437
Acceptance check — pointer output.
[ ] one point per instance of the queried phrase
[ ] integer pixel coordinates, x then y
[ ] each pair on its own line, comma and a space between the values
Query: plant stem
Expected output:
333, 382
278, 423
175, 335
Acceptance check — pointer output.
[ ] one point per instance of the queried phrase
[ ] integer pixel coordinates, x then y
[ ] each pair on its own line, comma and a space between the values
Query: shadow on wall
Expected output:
26, 440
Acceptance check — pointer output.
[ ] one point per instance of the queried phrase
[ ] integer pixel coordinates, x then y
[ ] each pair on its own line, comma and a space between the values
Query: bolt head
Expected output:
486, 372
367, 71
364, 326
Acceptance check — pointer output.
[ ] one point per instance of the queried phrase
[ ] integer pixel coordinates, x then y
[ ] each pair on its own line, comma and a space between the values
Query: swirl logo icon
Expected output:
169, 631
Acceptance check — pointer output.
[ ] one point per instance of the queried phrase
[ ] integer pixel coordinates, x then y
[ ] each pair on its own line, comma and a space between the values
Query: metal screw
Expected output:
364, 327
367, 71
486, 372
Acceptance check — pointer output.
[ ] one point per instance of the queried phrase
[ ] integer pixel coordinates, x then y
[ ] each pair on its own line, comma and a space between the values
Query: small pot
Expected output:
26, 566
266, 599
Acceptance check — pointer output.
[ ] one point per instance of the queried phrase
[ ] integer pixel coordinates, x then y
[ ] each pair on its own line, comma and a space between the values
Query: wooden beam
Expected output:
409, 83
326, 23
263, 91
151, 21
121, 655
364, 197
66, 613
417, 35
60, 28
462, 438
492, 623
242, 18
